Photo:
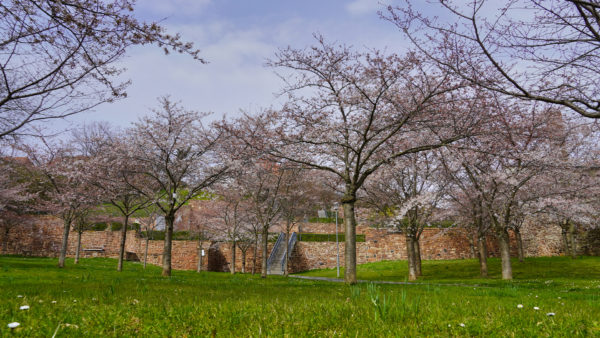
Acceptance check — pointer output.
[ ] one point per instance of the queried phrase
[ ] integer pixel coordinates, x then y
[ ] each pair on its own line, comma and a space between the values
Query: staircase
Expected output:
276, 261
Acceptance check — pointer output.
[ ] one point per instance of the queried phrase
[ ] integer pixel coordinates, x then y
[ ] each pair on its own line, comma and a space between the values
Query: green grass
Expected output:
95, 300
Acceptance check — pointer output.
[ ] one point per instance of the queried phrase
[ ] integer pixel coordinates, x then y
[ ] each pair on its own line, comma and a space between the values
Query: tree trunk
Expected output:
65, 242
146, 250
504, 245
255, 251
519, 244
285, 263
199, 267
265, 248
169, 220
410, 255
417, 249
122, 244
471, 245
5, 240
350, 242
244, 260
565, 240
482, 248
572, 240
232, 267
78, 247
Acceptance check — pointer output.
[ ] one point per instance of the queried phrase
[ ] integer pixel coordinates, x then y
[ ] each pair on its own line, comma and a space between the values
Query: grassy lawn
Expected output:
92, 299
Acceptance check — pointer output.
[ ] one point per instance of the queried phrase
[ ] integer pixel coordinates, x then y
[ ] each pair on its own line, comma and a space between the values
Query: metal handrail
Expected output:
275, 248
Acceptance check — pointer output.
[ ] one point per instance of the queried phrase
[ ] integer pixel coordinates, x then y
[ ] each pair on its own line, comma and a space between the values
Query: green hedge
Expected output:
177, 235
100, 226
325, 220
326, 237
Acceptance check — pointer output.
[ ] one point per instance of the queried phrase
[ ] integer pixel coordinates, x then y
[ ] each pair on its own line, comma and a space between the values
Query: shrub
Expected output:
327, 237
116, 226
99, 226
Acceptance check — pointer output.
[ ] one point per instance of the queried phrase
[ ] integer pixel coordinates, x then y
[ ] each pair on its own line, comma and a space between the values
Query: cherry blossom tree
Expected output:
349, 113
178, 158
406, 196
68, 191
545, 51
60, 58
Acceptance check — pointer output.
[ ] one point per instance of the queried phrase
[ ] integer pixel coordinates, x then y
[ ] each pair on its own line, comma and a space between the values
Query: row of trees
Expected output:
468, 127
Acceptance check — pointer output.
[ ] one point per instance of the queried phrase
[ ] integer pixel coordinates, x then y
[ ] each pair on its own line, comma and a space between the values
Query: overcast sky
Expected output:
236, 37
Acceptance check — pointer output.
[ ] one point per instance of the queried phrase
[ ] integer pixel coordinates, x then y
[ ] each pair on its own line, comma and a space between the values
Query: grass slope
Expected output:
94, 300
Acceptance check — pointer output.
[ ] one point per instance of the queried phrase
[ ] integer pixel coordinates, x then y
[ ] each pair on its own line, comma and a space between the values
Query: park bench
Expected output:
94, 249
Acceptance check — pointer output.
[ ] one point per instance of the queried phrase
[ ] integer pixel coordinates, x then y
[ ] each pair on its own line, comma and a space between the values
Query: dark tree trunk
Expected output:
567, 249
350, 242
122, 244
572, 240
519, 239
169, 220
243, 260
265, 248
5, 240
65, 242
410, 255
255, 251
483, 254
146, 250
417, 249
78, 247
232, 267
504, 246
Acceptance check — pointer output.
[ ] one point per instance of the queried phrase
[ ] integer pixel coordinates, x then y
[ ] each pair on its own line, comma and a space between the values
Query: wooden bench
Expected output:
94, 249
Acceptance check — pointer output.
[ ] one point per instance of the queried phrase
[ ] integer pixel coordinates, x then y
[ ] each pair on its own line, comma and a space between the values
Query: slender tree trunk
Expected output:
410, 255
255, 251
232, 268
565, 240
78, 247
65, 242
169, 220
572, 240
285, 263
350, 242
244, 260
146, 250
122, 244
417, 249
482, 248
471, 245
504, 245
265, 248
199, 267
5, 240
519, 239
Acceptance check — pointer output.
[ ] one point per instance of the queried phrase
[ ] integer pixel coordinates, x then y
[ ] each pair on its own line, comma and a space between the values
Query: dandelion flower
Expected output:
520, 306
550, 314
24, 307
13, 325
462, 324
536, 308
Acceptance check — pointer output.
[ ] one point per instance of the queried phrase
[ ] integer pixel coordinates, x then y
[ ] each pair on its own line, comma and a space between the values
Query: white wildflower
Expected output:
536, 308
13, 325
550, 314
462, 324
520, 306
53, 302
19, 296
24, 307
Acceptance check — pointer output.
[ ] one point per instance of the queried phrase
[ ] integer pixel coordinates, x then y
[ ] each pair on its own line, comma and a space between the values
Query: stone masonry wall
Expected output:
42, 237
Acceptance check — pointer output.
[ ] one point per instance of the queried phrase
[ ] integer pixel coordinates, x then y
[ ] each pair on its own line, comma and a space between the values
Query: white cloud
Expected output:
362, 7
